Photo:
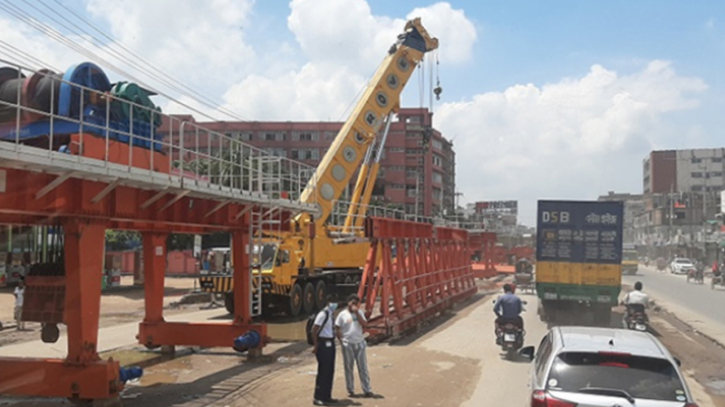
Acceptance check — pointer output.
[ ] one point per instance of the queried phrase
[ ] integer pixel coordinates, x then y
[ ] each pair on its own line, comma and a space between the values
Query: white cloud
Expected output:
574, 139
344, 42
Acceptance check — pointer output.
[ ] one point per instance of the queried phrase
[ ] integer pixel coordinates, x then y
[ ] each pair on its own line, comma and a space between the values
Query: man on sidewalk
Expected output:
323, 339
19, 294
349, 325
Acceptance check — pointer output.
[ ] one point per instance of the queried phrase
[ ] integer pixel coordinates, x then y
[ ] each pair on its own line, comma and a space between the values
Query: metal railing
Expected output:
58, 134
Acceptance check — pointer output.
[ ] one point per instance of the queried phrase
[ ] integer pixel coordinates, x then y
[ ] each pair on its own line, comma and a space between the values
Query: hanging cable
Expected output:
438, 89
174, 83
59, 37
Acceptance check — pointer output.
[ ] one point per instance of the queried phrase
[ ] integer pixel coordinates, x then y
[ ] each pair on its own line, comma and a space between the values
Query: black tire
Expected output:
308, 298
294, 305
229, 302
320, 295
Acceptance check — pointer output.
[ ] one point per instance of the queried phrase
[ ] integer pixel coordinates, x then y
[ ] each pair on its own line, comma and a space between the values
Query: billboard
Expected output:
503, 207
580, 231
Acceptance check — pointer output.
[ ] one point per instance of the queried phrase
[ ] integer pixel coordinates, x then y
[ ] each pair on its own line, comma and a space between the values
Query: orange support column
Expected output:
154, 262
242, 277
83, 273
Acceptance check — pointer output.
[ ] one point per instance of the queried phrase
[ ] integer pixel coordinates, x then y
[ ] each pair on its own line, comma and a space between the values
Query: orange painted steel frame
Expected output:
82, 374
484, 243
431, 271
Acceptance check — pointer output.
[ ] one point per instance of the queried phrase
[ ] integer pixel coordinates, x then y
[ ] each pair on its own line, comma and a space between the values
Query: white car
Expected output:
598, 367
681, 265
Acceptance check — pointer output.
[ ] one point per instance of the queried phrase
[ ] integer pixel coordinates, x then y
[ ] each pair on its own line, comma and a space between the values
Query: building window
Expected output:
272, 136
410, 192
437, 177
381, 172
716, 174
245, 136
717, 159
277, 152
412, 135
396, 168
696, 160
396, 149
411, 173
437, 145
413, 151
330, 135
305, 153
697, 187
437, 160
305, 135
397, 186
696, 175
413, 119
437, 194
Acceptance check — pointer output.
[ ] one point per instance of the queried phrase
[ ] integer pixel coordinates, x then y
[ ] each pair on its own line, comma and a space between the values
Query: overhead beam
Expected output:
110, 187
216, 208
53, 184
154, 198
175, 199
243, 211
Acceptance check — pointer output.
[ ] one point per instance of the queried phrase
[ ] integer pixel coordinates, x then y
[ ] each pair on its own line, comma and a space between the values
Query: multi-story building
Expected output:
692, 170
417, 171
633, 207
681, 200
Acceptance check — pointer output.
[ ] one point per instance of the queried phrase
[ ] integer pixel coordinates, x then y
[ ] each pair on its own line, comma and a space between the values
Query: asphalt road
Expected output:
699, 299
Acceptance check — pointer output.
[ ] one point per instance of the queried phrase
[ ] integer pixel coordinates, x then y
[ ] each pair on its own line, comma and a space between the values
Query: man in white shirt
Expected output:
349, 326
323, 339
636, 300
19, 294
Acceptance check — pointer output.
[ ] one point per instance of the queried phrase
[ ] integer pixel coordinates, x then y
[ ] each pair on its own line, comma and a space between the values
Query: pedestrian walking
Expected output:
19, 294
349, 326
323, 337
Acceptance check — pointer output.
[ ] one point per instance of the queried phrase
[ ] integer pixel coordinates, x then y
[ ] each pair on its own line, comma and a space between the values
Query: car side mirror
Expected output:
527, 352
678, 361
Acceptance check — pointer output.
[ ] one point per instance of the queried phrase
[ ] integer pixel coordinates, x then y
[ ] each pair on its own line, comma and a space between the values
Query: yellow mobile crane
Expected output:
299, 267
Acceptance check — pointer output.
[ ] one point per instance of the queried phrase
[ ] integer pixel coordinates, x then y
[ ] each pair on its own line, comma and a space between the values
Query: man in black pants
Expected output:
323, 337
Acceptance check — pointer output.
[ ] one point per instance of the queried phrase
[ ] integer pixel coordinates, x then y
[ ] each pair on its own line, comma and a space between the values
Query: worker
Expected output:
19, 294
323, 337
349, 327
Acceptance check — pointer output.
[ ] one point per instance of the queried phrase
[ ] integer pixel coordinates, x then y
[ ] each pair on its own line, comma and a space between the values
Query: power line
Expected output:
47, 30
116, 43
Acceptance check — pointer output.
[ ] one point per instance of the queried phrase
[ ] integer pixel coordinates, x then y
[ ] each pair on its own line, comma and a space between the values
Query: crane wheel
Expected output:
229, 302
308, 298
320, 295
294, 306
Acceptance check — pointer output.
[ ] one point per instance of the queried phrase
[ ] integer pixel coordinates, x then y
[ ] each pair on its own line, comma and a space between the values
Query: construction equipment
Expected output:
297, 268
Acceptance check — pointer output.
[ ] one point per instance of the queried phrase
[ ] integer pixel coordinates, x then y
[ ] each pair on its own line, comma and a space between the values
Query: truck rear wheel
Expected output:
294, 305
308, 298
320, 295
229, 302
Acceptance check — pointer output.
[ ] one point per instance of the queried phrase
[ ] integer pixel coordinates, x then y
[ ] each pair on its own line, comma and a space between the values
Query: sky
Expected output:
543, 100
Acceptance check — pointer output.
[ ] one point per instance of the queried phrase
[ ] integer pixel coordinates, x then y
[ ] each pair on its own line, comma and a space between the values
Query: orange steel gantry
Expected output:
86, 182
413, 272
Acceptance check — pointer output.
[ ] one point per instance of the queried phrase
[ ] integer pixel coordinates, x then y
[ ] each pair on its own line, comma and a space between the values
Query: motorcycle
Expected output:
636, 319
510, 337
696, 274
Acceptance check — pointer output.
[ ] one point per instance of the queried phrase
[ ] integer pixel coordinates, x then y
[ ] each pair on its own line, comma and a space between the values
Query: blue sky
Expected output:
545, 99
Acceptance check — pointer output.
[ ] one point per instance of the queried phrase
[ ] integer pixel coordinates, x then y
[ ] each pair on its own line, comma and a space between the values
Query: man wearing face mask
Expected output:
323, 337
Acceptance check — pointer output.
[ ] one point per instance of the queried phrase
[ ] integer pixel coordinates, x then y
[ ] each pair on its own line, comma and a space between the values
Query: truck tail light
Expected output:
541, 398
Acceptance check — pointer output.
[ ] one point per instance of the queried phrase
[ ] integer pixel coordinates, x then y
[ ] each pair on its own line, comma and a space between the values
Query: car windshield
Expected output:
683, 261
267, 256
642, 377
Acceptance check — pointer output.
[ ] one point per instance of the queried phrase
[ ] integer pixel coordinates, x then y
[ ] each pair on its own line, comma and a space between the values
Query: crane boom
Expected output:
381, 98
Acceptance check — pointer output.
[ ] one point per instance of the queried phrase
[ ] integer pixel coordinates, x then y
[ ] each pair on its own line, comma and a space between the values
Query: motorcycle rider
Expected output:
635, 301
508, 309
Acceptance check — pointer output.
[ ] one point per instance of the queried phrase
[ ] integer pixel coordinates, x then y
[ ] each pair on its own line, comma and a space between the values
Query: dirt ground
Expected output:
121, 306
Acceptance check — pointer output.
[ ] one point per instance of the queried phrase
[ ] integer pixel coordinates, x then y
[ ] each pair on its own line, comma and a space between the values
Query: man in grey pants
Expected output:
349, 328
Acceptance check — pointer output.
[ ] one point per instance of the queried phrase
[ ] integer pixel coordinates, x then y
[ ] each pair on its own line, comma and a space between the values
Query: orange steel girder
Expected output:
430, 272
82, 374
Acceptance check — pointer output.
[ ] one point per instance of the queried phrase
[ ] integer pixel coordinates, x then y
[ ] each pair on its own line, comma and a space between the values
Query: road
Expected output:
698, 305
453, 361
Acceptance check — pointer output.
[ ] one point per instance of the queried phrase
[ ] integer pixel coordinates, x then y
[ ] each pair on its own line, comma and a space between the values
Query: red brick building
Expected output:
411, 172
